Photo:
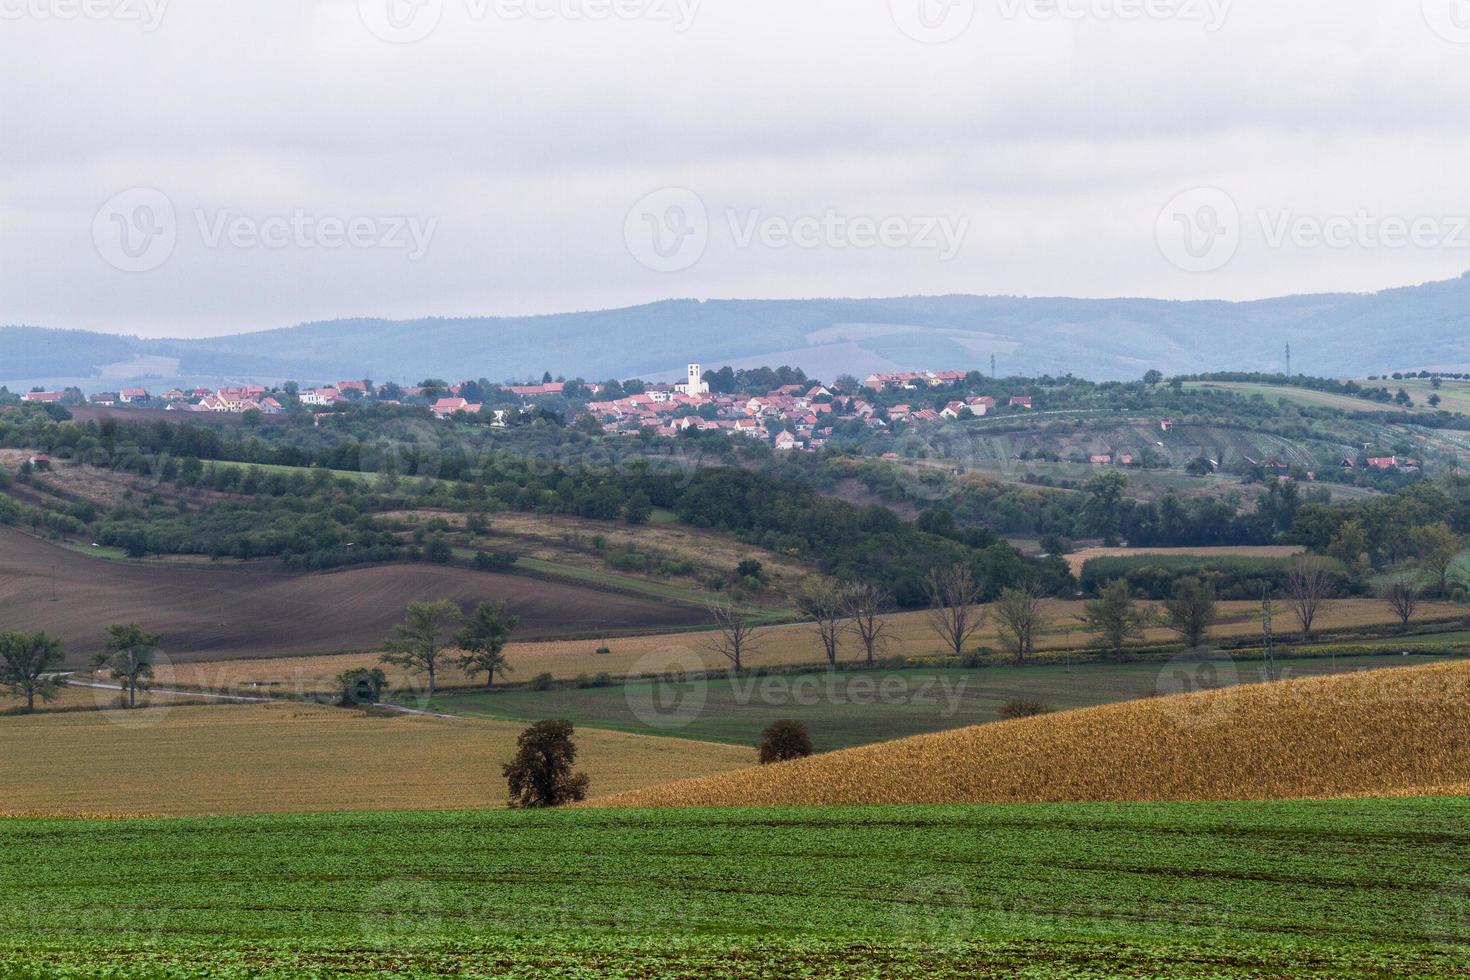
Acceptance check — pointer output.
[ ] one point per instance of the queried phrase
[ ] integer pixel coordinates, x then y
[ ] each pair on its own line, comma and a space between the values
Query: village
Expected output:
792, 417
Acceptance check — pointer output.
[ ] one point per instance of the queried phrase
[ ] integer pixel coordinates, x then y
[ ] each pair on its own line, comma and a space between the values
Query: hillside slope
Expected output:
1388, 732
1333, 334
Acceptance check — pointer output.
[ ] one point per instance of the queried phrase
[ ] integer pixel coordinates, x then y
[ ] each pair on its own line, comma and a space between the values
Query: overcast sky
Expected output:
208, 166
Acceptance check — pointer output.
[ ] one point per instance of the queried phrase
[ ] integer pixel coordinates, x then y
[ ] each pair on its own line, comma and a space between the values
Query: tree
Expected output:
1018, 614
1152, 377
735, 635
1308, 584
1437, 547
417, 643
483, 638
129, 658
541, 774
637, 509
954, 611
1103, 507
865, 606
1434, 401
361, 685
825, 604
1402, 595
26, 662
1191, 610
783, 741
1115, 617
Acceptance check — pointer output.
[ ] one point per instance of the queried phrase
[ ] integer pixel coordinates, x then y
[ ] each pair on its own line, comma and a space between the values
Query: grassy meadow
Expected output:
1332, 889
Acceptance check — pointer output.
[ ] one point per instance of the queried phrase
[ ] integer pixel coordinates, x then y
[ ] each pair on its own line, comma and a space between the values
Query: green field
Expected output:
1341, 889
848, 708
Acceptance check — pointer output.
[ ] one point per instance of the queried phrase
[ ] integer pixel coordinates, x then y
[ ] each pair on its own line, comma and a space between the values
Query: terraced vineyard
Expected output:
1342, 889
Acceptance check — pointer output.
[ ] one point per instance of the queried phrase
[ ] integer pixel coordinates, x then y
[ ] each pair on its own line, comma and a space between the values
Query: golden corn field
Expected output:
1386, 732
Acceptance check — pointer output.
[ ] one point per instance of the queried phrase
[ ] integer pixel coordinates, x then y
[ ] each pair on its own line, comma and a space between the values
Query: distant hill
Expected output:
1331, 334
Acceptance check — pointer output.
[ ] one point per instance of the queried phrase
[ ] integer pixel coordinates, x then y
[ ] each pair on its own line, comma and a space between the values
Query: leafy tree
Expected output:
954, 611
362, 685
637, 509
1191, 610
1115, 617
417, 643
542, 774
26, 662
128, 657
1437, 546
1103, 509
783, 741
1018, 614
825, 604
483, 638
1152, 377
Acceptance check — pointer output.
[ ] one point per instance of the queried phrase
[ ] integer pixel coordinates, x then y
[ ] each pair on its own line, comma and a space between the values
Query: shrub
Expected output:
603, 679
542, 682
1024, 708
541, 774
784, 740
362, 686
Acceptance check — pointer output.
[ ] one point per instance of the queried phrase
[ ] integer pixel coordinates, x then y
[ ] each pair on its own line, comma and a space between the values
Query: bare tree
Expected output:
1308, 585
1018, 614
1402, 595
825, 604
735, 635
865, 606
954, 613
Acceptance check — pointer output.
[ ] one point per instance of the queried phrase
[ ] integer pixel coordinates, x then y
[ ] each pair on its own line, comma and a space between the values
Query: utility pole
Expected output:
1268, 640
992, 367
1288, 360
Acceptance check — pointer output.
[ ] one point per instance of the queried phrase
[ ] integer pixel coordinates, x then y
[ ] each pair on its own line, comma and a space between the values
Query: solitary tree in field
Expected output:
1308, 586
825, 604
865, 606
129, 658
1115, 617
483, 638
419, 641
1018, 615
26, 660
734, 637
541, 774
954, 612
1402, 595
1191, 610
1437, 547
783, 741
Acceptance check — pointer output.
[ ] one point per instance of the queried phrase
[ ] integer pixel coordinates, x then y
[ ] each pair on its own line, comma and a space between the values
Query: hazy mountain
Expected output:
1331, 334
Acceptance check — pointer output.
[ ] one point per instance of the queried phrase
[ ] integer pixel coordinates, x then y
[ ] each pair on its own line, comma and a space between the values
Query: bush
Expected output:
1024, 708
783, 741
603, 679
1154, 576
495, 562
542, 682
541, 774
363, 686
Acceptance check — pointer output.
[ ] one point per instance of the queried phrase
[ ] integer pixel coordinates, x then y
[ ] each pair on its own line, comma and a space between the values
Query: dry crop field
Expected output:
1377, 733
223, 759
